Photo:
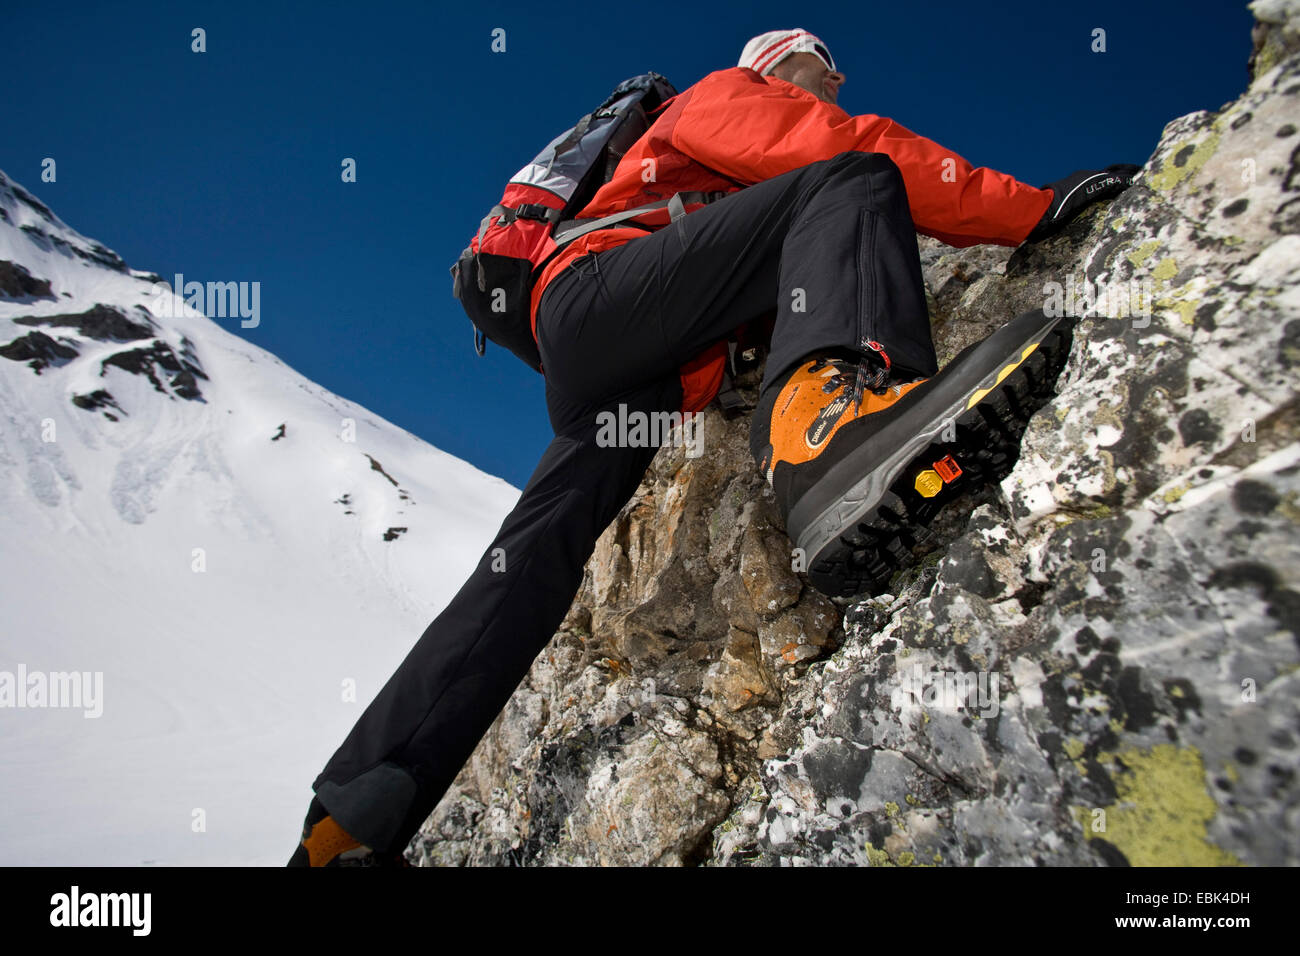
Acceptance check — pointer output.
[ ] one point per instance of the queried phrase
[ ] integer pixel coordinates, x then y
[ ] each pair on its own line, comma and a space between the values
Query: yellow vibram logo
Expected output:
928, 483
980, 393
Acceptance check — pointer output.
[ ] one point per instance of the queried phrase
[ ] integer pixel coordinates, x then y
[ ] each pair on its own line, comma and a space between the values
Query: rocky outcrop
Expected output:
159, 362
38, 350
17, 283
99, 398
1096, 663
104, 323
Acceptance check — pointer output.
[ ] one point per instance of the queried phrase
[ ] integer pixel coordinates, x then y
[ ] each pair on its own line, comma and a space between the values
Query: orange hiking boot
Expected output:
325, 843
858, 484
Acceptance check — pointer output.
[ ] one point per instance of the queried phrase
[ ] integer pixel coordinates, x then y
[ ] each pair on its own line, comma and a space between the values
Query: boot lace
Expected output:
868, 373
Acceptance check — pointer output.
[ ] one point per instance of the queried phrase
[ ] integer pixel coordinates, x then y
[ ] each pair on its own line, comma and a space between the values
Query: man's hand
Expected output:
1071, 194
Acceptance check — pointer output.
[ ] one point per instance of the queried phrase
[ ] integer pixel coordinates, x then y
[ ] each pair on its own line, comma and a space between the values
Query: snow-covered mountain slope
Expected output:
242, 556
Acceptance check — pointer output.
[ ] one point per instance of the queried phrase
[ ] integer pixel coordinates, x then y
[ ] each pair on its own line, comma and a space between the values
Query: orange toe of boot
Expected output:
326, 841
323, 841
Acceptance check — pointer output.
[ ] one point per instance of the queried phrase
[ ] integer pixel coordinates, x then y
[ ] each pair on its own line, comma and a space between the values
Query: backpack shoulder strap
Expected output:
566, 232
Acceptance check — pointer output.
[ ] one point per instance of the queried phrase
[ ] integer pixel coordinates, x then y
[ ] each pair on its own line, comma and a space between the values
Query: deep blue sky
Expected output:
225, 165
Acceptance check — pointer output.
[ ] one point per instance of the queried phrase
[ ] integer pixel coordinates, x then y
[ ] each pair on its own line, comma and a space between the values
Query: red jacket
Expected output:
735, 128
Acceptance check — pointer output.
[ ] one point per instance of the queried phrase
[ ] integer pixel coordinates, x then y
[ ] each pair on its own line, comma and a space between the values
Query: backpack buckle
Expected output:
534, 210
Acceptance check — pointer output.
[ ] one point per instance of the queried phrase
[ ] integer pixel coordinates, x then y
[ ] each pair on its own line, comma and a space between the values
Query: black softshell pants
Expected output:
830, 245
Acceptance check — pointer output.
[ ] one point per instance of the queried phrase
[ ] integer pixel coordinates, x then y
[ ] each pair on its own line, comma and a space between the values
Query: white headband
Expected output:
764, 52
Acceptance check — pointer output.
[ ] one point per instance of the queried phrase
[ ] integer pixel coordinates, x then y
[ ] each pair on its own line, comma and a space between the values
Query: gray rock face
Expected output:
1098, 665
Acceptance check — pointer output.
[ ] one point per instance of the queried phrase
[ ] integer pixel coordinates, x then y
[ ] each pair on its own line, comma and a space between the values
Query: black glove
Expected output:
1077, 190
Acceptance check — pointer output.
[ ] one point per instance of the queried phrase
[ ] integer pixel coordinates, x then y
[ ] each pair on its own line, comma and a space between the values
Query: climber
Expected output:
819, 224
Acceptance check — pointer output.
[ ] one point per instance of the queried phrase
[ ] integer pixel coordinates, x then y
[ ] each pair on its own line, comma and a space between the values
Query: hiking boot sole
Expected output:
864, 521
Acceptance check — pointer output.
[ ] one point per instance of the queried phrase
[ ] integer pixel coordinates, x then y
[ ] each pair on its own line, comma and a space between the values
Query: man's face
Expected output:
808, 72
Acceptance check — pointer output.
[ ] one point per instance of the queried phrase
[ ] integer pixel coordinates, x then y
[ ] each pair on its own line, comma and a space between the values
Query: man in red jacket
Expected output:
858, 433
820, 223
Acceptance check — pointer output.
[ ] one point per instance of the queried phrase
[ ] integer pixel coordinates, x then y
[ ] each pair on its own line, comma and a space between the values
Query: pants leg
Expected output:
414, 738
831, 245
